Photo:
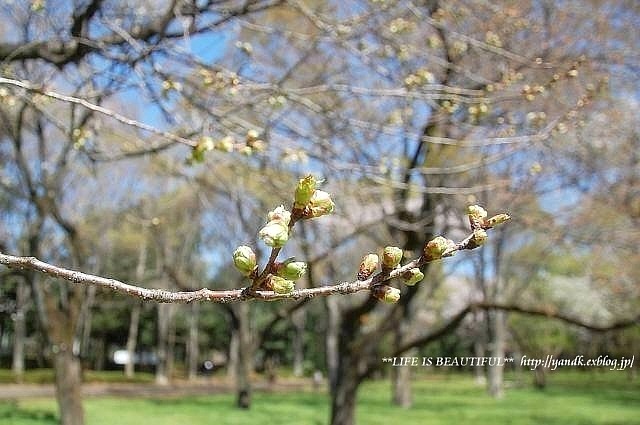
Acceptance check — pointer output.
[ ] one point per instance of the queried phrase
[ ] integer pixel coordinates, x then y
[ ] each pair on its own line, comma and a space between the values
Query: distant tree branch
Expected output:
96, 108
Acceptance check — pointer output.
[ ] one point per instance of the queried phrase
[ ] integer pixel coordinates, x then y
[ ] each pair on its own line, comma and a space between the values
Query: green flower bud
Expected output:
320, 204
391, 257
281, 285
252, 135
413, 276
292, 270
476, 212
275, 234
304, 191
280, 214
246, 150
479, 237
368, 265
386, 293
225, 144
244, 259
498, 219
437, 246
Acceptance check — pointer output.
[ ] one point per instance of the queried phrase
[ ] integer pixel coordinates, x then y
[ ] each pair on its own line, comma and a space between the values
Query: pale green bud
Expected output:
368, 265
225, 144
275, 234
246, 150
292, 270
498, 219
280, 214
437, 246
391, 256
320, 204
252, 135
244, 259
479, 236
413, 276
304, 191
386, 293
281, 285
476, 212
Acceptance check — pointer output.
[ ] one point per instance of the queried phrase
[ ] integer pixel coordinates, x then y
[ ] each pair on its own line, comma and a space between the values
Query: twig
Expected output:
97, 108
216, 296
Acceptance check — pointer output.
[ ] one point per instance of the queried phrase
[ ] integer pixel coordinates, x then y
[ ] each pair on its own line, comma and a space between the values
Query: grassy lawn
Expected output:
571, 399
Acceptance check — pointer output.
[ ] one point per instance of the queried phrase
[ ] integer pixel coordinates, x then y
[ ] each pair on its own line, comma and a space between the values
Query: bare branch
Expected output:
97, 108
218, 296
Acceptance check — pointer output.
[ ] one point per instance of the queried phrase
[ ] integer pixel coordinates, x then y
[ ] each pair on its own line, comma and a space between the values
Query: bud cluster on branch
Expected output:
276, 279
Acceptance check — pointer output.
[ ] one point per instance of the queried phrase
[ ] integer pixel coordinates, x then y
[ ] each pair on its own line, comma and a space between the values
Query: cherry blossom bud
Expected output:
244, 259
413, 276
386, 293
391, 257
320, 204
304, 191
497, 219
479, 237
225, 144
281, 285
292, 270
275, 234
476, 212
437, 246
368, 265
280, 214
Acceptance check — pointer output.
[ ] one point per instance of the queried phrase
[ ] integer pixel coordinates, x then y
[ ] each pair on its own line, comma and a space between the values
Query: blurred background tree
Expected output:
409, 110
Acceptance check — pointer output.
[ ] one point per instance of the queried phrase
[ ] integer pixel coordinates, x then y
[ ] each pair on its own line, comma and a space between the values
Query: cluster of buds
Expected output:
253, 143
218, 80
478, 220
492, 39
170, 85
80, 137
530, 92
420, 77
310, 202
226, 144
276, 232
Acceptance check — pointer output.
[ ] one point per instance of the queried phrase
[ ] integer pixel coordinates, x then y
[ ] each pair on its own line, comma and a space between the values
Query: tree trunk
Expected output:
478, 372
134, 321
496, 372
68, 380
343, 400
298, 318
192, 345
20, 331
333, 332
164, 311
132, 339
243, 369
540, 378
234, 347
401, 376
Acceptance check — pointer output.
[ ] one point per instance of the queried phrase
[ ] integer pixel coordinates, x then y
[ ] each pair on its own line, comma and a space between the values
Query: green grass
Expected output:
571, 399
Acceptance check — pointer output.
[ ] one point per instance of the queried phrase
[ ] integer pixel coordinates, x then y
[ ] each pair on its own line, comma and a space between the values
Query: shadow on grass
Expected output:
11, 411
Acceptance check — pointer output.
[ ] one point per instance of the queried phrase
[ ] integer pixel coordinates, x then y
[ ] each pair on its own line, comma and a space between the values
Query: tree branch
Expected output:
219, 296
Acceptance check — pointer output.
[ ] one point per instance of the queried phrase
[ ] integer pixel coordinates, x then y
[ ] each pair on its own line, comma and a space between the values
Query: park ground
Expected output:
571, 398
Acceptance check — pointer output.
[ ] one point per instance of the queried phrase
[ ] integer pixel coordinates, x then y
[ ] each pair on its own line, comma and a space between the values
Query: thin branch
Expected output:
218, 296
97, 108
